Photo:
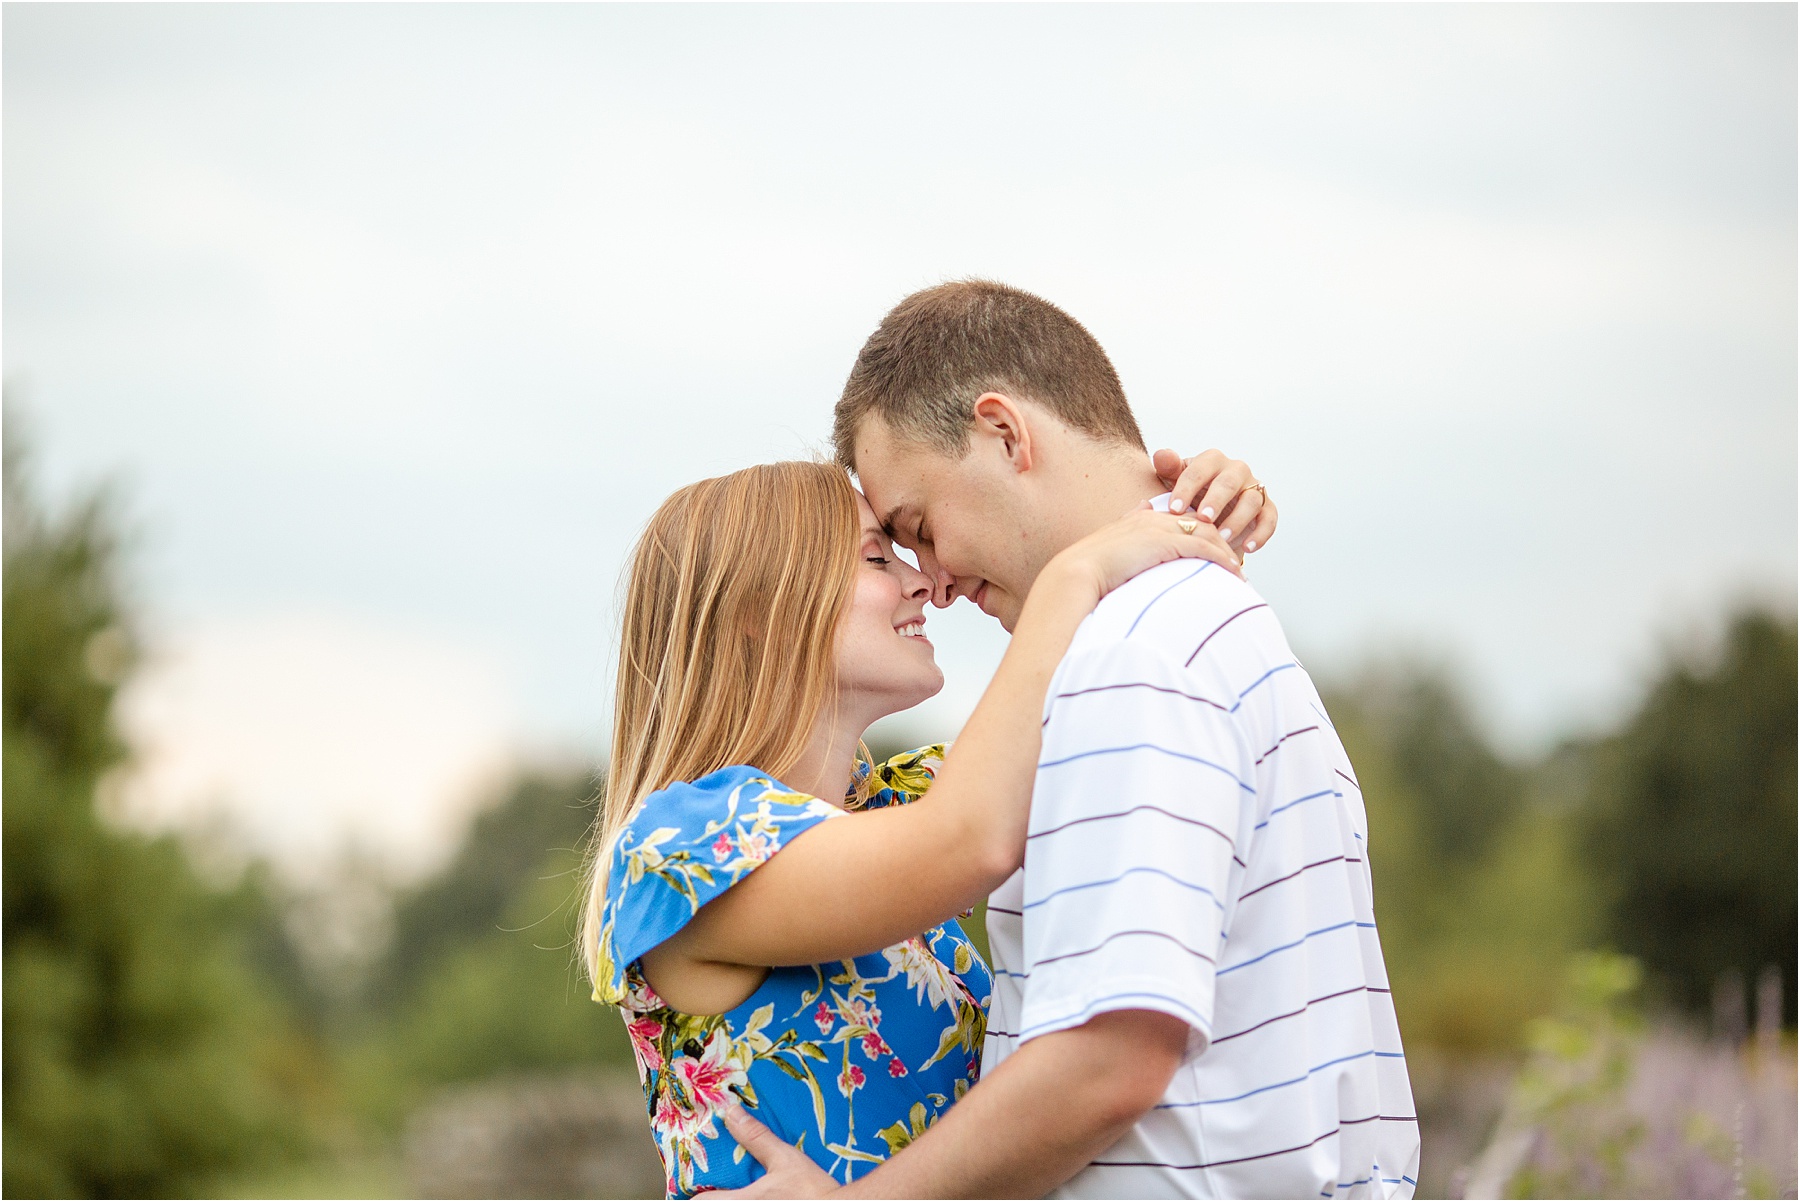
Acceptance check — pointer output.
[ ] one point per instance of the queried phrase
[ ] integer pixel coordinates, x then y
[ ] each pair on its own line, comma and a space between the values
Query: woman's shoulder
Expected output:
710, 832
693, 805
685, 845
897, 780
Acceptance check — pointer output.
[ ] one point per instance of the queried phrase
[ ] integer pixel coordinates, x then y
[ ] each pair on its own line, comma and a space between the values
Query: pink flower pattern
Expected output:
696, 1090
851, 1080
755, 846
859, 1013
643, 1032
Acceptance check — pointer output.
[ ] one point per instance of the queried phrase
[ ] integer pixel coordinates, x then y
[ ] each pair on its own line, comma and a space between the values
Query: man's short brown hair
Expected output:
939, 350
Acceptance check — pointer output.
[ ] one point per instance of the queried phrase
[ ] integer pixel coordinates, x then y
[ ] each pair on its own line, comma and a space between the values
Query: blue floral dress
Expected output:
852, 1060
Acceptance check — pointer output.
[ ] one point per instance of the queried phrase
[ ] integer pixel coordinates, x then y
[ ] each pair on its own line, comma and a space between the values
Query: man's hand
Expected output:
791, 1172
1001, 1141
1220, 490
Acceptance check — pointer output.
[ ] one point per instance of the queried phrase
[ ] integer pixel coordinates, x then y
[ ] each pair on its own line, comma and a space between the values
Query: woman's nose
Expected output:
915, 583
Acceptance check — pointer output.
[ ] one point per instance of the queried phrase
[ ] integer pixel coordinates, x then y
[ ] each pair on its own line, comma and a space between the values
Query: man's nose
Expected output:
943, 584
943, 589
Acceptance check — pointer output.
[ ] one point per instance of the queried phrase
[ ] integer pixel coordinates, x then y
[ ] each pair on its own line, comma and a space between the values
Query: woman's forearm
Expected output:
984, 787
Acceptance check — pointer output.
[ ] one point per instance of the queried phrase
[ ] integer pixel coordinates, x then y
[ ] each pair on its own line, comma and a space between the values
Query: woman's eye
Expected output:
877, 559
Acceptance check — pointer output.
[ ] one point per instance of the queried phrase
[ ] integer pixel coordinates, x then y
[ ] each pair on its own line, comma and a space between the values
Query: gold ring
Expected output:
1259, 488
1188, 525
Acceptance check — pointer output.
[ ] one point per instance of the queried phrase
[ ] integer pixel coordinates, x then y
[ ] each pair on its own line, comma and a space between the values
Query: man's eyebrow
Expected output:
893, 515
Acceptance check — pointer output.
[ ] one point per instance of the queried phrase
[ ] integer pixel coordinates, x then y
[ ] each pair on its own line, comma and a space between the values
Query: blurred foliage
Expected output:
1691, 826
1574, 1086
1477, 888
518, 840
1609, 1106
142, 1057
482, 977
1421, 726
1672, 840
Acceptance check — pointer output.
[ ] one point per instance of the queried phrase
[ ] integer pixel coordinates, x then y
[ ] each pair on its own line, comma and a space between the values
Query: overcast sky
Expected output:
399, 321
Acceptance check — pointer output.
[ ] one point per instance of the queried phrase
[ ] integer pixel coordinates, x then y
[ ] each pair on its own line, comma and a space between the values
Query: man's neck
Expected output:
1100, 487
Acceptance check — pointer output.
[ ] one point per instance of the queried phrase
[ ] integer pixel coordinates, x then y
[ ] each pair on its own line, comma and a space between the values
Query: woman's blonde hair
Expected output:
727, 646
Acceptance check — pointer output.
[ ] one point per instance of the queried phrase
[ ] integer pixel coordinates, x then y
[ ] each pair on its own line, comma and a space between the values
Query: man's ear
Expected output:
1001, 418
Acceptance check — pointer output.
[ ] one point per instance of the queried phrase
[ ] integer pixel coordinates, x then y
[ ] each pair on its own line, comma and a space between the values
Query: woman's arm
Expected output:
857, 884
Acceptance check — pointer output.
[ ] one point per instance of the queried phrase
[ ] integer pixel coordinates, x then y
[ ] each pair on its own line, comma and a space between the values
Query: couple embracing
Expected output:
1187, 997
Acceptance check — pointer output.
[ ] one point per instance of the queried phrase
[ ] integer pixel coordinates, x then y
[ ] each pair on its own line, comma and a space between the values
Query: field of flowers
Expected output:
1609, 1108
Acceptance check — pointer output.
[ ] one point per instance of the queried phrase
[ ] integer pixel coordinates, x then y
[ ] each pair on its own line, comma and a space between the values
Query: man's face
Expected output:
962, 517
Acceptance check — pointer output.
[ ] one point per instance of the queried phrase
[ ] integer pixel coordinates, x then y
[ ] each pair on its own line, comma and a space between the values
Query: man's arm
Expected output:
1036, 1121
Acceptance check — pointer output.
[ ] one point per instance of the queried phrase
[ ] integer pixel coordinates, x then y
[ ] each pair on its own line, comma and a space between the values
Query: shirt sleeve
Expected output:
686, 845
1144, 793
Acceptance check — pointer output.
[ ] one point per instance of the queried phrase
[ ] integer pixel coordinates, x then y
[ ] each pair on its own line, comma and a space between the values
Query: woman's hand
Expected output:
1220, 490
1136, 543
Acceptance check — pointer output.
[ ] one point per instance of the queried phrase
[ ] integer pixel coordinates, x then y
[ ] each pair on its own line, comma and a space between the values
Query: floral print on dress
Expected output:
897, 781
850, 1060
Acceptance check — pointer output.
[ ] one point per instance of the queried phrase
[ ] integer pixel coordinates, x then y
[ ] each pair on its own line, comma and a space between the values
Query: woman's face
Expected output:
885, 663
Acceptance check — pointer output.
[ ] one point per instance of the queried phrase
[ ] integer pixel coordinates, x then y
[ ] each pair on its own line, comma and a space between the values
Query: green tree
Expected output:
1413, 714
541, 815
1477, 888
1693, 824
481, 977
140, 1057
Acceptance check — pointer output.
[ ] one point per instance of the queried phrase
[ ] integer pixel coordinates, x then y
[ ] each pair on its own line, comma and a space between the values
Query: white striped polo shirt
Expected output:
1198, 847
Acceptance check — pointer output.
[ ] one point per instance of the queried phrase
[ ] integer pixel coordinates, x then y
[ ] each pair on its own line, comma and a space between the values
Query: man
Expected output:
1190, 998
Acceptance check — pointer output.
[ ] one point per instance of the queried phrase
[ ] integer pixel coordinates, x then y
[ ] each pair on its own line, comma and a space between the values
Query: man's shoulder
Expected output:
1172, 612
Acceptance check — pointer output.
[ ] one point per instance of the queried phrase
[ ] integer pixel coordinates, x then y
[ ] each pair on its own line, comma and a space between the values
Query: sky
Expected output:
395, 323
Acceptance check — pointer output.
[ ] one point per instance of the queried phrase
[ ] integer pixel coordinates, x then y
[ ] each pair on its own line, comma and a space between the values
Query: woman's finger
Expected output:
1241, 517
1196, 475
1232, 479
1264, 530
1168, 466
1204, 542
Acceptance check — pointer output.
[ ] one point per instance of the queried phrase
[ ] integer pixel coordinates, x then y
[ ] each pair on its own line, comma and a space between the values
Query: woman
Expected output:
767, 624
